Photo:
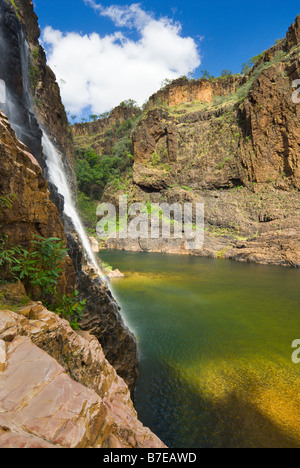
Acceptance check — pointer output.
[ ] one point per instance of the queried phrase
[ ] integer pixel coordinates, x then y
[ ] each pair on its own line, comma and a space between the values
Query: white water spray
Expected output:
58, 178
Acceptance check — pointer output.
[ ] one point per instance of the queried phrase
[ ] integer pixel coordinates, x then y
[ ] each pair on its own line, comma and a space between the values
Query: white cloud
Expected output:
101, 71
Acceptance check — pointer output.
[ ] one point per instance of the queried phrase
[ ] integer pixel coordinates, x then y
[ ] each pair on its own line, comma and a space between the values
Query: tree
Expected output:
129, 104
104, 115
93, 117
226, 73
206, 75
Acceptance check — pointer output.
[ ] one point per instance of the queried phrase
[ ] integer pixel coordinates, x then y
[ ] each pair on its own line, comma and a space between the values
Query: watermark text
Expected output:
152, 221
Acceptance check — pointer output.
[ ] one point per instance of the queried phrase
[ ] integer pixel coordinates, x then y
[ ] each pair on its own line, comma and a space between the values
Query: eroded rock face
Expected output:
102, 317
12, 64
32, 212
102, 134
184, 91
270, 147
44, 87
58, 390
234, 146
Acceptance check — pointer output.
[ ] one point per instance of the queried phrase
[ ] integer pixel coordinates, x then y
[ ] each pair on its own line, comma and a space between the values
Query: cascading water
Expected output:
20, 113
102, 312
58, 177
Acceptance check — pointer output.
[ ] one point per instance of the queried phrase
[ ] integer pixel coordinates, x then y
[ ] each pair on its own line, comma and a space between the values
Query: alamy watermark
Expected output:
152, 221
296, 94
296, 353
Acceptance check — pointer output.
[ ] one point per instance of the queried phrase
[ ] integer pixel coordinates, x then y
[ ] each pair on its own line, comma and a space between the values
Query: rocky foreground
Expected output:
58, 387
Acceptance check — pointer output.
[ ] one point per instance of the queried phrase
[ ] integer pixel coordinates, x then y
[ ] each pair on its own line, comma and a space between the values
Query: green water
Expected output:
215, 341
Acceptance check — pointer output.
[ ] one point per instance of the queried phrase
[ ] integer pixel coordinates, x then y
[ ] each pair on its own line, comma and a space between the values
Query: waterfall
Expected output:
58, 178
20, 113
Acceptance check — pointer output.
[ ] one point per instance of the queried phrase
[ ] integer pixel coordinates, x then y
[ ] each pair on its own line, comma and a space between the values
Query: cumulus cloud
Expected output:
101, 71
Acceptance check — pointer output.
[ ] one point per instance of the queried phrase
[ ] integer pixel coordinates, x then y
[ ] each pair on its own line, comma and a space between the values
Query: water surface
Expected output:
215, 342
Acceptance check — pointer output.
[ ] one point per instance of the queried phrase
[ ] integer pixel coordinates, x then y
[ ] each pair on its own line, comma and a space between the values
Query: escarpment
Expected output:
231, 143
102, 134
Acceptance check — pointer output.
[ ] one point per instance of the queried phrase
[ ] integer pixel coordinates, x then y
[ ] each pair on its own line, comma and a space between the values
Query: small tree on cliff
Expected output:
93, 117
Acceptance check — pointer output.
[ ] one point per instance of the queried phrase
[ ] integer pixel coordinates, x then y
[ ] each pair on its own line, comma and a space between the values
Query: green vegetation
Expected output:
87, 209
6, 201
33, 76
206, 75
40, 271
221, 253
126, 126
16, 9
246, 67
226, 73
222, 164
129, 104
95, 172
240, 95
70, 308
104, 161
35, 53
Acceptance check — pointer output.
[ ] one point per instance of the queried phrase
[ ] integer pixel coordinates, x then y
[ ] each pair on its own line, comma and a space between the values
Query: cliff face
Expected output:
231, 143
32, 212
44, 88
12, 52
244, 130
57, 388
36, 103
102, 134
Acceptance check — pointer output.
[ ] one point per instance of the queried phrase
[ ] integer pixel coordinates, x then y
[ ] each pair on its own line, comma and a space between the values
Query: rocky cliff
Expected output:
32, 212
102, 134
44, 87
232, 143
57, 390
34, 104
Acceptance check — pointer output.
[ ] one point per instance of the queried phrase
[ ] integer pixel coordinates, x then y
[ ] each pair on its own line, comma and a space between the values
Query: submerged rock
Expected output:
115, 274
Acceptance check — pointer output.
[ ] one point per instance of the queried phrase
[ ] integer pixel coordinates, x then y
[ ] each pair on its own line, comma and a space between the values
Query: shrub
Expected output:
40, 271
87, 209
94, 172
129, 104
70, 308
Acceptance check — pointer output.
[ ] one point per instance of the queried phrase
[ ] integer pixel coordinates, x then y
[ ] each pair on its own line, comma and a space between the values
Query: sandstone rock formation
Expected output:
231, 143
33, 212
102, 134
44, 87
183, 91
58, 390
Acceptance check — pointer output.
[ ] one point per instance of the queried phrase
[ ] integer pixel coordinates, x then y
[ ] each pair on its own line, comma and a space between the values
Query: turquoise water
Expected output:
215, 341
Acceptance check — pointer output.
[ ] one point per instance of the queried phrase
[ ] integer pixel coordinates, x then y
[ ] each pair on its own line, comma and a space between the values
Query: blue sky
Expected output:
222, 35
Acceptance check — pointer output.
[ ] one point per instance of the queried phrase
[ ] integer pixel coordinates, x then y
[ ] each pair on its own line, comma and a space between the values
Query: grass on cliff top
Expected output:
229, 101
